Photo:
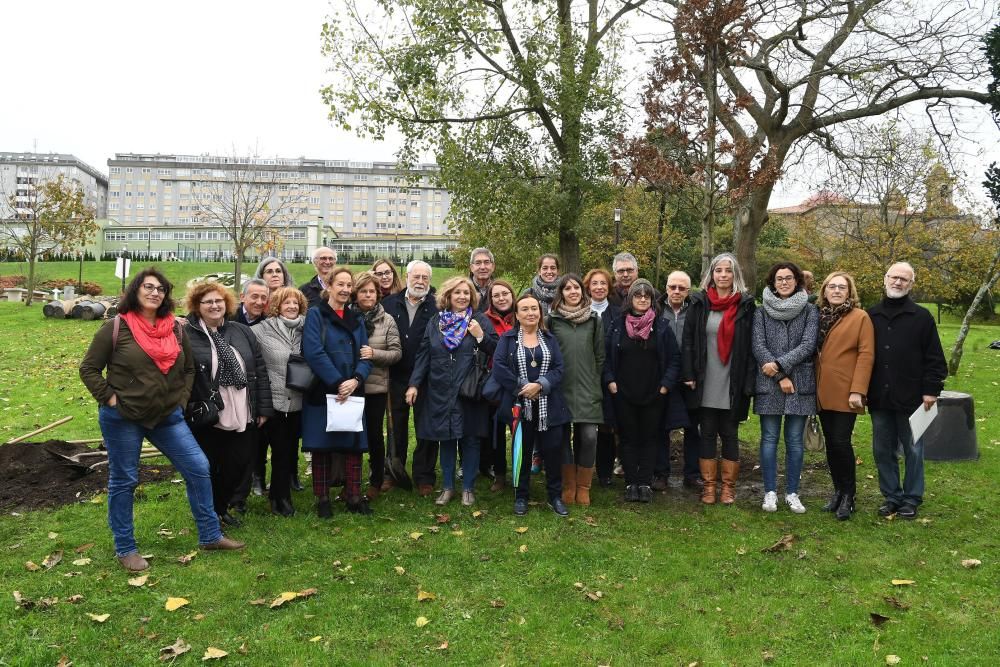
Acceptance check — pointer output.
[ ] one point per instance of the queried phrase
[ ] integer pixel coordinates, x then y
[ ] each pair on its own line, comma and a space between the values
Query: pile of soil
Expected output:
32, 477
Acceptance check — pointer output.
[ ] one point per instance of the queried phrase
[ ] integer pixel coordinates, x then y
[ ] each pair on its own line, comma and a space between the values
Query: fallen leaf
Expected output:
892, 659
878, 619
400, 570
31, 567
64, 661
72, 574
212, 653
100, 618
138, 581
895, 602
442, 518
287, 596
23, 602
590, 521
903, 582
316, 638
971, 563
187, 558
84, 547
424, 596
434, 529
416, 536
579, 586
198, 617
422, 621
594, 596
521, 529
443, 646
616, 623
457, 533
81, 561
925, 521
52, 560
53, 536
337, 563
173, 604
523, 548
742, 551
179, 647
262, 576
784, 544
308, 593
73, 599
498, 603
258, 602
243, 649
478, 514
767, 656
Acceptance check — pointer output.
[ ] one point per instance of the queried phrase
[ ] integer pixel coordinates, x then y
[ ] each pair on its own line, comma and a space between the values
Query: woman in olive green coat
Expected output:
581, 339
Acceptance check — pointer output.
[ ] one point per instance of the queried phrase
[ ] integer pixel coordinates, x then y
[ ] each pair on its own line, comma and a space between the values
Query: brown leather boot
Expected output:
584, 477
730, 471
568, 484
709, 473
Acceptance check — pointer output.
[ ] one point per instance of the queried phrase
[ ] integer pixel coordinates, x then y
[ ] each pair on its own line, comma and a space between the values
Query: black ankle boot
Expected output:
359, 506
834, 502
323, 508
845, 507
296, 484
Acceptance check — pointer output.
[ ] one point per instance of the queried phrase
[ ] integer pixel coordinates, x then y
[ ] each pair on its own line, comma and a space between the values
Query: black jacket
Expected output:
742, 365
241, 338
241, 317
909, 361
312, 291
410, 333
503, 384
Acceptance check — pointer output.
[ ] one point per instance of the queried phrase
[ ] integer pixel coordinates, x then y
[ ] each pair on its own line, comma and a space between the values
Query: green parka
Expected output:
582, 347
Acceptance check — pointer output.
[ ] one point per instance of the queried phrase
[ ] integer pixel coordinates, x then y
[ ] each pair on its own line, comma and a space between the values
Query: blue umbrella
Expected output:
515, 444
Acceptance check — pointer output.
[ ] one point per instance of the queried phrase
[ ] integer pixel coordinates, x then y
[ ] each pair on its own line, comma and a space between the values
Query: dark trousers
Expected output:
493, 450
639, 434
374, 418
605, 452
549, 445
692, 450
259, 458
229, 454
242, 489
837, 430
719, 424
580, 447
283, 431
425, 454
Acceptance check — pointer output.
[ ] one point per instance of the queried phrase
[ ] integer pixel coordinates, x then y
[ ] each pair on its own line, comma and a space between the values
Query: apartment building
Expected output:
22, 173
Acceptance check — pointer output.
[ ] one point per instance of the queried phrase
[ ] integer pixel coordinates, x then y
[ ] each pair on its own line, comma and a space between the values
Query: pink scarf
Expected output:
640, 327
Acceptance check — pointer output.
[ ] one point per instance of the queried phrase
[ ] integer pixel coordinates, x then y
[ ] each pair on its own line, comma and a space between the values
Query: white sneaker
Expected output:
794, 503
770, 503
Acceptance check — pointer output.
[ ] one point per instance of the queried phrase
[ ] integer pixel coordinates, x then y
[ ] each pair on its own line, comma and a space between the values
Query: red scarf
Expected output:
727, 327
157, 340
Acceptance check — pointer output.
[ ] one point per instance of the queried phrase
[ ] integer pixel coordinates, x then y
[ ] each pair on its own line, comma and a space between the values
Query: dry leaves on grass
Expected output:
173, 604
81, 561
892, 659
784, 544
523, 548
187, 558
970, 563
442, 518
138, 582
178, 648
99, 618
424, 596
890, 600
521, 530
878, 620
28, 604
52, 559
212, 653
400, 570
83, 548
416, 536
31, 566
422, 621
903, 582
288, 596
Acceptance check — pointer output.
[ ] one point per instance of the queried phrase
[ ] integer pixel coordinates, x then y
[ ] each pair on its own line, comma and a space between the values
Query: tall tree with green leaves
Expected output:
49, 216
517, 100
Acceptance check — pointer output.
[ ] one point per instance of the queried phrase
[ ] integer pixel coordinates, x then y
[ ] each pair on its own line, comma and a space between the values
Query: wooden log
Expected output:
58, 422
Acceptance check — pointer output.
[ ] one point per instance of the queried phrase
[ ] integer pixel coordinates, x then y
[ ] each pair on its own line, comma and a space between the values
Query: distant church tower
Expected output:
940, 186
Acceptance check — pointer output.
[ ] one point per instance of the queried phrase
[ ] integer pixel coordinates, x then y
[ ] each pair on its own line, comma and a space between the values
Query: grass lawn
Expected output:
670, 583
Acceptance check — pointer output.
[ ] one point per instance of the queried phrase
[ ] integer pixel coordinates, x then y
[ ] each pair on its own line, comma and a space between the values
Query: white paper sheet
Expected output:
921, 419
345, 417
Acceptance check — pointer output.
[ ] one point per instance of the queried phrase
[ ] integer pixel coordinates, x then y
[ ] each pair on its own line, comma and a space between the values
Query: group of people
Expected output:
594, 372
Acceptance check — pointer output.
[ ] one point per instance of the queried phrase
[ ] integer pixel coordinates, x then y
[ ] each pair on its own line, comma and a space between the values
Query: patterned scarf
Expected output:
577, 315
828, 316
543, 291
231, 374
158, 340
727, 327
369, 316
640, 327
785, 309
522, 378
453, 327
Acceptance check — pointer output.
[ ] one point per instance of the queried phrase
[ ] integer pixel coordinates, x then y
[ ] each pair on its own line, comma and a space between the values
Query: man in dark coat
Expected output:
626, 268
253, 303
673, 308
909, 373
481, 268
412, 308
325, 260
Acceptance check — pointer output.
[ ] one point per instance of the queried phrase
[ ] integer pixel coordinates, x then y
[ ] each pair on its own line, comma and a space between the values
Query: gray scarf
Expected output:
784, 309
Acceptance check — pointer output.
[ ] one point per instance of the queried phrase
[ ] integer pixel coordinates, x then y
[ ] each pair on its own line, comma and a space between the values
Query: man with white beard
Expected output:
909, 372
412, 308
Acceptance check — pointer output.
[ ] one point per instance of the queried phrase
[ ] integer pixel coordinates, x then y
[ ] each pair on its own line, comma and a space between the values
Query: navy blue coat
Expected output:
675, 413
503, 385
438, 373
333, 362
608, 317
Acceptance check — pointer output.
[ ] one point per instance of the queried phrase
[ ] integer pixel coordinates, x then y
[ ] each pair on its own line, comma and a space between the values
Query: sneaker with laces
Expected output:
794, 504
770, 503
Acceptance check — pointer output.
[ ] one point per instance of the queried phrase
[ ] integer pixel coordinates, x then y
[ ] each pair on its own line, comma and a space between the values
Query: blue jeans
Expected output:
889, 429
770, 431
123, 438
470, 461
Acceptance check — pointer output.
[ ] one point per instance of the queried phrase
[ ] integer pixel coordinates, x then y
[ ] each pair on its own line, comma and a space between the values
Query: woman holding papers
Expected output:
845, 352
446, 356
331, 344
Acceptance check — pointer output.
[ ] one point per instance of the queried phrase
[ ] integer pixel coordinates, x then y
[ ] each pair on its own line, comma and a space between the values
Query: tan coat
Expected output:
386, 351
844, 365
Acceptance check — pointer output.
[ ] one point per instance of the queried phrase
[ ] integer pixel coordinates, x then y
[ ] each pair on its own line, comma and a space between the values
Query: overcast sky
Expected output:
185, 77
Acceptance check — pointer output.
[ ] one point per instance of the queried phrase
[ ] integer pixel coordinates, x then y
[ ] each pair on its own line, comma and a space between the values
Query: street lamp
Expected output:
618, 228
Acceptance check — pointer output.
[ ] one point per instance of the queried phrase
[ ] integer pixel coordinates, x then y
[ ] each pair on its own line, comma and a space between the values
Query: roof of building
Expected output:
54, 160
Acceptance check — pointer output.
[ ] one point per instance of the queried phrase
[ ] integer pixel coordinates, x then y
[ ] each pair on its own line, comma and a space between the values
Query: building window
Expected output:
116, 170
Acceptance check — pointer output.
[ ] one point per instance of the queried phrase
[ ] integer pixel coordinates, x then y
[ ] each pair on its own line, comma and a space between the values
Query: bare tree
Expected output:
814, 66
252, 202
44, 216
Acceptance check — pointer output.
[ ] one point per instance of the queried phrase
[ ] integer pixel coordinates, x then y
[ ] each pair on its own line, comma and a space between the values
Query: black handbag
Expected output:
474, 381
298, 375
202, 414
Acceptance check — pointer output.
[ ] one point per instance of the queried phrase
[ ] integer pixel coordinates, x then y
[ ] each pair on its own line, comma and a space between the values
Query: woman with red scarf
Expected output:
717, 364
150, 370
493, 449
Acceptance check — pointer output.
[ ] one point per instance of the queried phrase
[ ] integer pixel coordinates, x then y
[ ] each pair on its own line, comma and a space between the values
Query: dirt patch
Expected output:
32, 477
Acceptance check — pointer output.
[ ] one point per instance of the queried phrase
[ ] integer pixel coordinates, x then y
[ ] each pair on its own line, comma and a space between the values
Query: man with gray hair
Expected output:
626, 269
481, 267
909, 373
253, 302
324, 259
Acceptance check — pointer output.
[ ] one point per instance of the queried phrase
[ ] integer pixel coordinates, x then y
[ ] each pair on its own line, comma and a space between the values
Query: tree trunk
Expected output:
991, 279
237, 286
746, 230
708, 221
32, 258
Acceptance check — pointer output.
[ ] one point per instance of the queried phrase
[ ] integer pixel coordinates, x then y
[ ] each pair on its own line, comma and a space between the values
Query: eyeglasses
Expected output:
644, 297
212, 302
326, 259
150, 288
273, 272
784, 279
677, 288
837, 288
383, 274
628, 270
897, 279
